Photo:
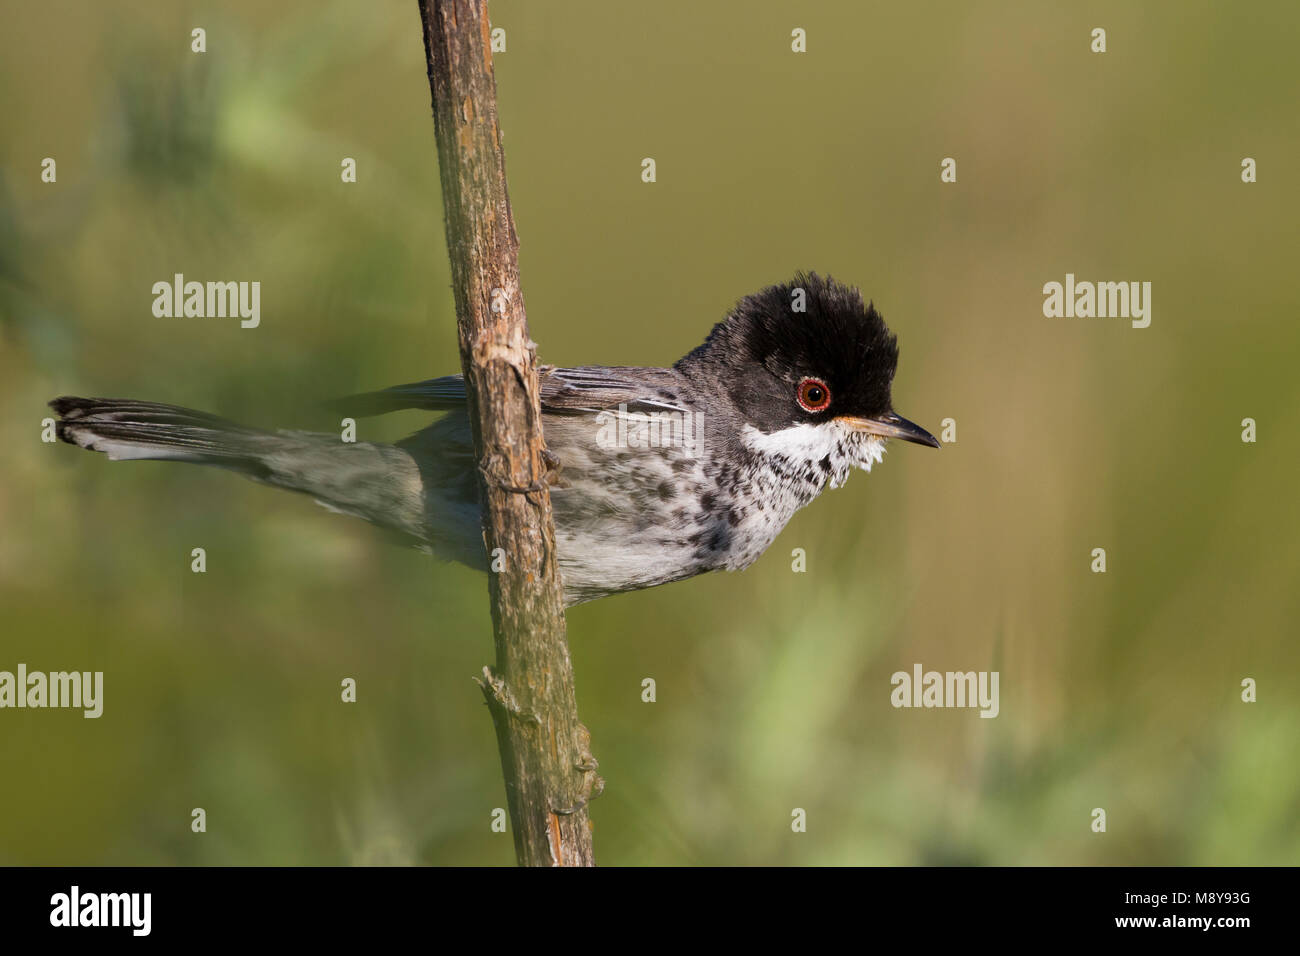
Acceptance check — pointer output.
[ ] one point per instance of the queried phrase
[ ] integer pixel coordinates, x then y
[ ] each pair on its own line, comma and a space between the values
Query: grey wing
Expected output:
565, 391
436, 394
595, 388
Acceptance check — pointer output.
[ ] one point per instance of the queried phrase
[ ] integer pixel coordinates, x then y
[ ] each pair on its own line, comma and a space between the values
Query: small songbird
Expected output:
659, 473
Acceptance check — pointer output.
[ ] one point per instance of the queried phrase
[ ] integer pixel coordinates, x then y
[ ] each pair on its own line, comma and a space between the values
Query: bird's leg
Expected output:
552, 464
553, 468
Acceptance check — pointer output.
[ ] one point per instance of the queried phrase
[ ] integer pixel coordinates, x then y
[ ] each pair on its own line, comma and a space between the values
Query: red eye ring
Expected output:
813, 395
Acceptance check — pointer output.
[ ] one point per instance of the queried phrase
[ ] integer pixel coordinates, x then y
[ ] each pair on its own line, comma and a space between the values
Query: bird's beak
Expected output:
891, 426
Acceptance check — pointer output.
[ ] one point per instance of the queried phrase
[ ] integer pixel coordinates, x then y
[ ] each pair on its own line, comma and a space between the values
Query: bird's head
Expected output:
809, 367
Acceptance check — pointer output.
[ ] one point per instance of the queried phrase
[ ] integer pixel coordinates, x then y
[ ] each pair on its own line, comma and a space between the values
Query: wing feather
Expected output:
565, 391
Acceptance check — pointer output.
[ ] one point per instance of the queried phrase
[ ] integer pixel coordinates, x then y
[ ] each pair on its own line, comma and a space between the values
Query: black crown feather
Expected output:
810, 326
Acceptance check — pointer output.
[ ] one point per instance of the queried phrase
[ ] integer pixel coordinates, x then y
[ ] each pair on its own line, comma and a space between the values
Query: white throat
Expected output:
809, 445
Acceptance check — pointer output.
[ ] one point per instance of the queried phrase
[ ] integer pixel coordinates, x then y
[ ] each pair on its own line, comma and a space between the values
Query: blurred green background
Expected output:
1118, 690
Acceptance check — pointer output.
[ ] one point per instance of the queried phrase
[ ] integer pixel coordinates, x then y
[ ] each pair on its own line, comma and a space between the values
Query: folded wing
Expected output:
565, 391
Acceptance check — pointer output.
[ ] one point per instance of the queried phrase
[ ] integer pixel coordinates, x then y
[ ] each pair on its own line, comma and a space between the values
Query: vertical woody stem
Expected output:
549, 772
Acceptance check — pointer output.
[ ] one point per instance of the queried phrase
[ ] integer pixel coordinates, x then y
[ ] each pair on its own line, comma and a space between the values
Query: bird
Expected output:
656, 474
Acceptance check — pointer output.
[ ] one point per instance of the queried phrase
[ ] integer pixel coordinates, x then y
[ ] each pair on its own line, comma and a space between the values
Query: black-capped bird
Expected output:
661, 473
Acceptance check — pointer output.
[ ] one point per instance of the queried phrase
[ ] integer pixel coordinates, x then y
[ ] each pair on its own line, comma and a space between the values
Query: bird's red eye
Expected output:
813, 395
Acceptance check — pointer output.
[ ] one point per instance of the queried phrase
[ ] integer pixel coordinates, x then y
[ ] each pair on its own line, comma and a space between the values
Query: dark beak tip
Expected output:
912, 432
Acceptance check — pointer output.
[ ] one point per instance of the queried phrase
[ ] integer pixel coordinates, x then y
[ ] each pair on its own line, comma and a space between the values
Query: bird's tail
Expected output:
126, 430
380, 483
